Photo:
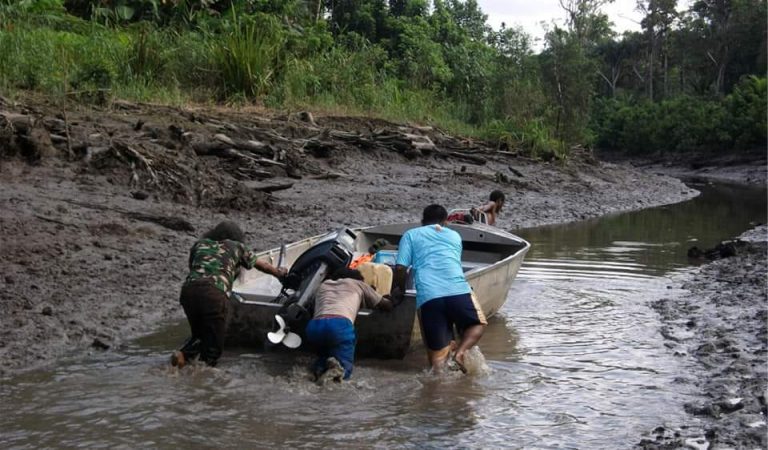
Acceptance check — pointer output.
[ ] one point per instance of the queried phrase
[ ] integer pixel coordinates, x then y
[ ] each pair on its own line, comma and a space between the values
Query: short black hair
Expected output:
497, 195
433, 214
378, 245
346, 272
226, 230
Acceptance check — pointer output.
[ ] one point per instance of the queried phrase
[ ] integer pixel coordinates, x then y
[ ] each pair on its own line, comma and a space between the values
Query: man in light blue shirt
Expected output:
443, 296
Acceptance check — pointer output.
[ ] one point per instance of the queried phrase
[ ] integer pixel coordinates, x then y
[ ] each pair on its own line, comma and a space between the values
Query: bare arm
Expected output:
266, 267
488, 207
398, 283
372, 299
385, 304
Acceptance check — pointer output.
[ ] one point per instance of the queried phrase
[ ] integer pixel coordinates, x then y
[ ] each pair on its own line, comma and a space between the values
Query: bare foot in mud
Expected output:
458, 358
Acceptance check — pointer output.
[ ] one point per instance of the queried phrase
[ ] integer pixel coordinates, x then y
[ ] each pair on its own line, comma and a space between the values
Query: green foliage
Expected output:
746, 106
533, 138
421, 58
249, 54
14, 9
435, 62
678, 125
569, 76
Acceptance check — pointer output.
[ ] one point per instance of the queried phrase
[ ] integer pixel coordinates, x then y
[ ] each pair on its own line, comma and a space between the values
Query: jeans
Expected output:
332, 337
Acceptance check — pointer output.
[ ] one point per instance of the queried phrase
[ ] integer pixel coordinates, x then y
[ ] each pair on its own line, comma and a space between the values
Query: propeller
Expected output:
284, 335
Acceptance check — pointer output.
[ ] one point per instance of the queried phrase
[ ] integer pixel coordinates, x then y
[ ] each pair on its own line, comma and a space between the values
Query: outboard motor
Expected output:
306, 274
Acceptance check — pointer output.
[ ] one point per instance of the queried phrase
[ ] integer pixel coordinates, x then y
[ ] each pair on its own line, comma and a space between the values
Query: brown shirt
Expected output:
344, 298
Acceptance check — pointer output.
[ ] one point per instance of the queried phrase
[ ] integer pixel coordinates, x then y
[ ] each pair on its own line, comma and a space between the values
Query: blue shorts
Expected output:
439, 315
332, 336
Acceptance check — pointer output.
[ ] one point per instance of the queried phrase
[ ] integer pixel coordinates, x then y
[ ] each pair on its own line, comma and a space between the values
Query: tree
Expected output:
657, 23
732, 32
585, 19
568, 71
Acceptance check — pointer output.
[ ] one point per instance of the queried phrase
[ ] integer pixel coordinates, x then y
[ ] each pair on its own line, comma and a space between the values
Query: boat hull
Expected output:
491, 259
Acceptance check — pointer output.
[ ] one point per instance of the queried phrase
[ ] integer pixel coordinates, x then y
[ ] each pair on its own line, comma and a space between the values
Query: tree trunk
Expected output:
666, 69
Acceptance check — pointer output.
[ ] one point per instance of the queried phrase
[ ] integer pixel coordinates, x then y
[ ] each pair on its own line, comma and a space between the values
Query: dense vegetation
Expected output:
691, 80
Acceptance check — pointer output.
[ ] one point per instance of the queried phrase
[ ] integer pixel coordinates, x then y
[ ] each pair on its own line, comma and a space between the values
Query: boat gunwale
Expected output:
471, 274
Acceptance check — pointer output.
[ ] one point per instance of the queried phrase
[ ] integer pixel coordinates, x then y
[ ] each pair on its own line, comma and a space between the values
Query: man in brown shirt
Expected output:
332, 331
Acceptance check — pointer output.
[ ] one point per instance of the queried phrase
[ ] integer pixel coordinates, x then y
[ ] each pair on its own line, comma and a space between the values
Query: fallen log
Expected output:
20, 123
306, 116
271, 187
479, 160
250, 172
172, 223
327, 176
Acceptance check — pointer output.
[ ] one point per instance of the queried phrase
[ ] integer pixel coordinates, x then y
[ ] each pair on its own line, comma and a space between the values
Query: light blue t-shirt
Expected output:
435, 257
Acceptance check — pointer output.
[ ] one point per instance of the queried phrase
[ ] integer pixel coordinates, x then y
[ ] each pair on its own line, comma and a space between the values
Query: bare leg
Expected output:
470, 337
437, 358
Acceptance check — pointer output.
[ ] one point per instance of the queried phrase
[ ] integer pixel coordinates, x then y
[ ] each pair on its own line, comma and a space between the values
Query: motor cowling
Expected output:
311, 268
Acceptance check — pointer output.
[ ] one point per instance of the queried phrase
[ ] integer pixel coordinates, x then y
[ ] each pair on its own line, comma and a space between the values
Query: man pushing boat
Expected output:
331, 332
443, 297
214, 262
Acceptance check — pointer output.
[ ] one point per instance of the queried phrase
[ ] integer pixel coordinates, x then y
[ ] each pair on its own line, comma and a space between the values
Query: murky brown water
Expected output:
575, 357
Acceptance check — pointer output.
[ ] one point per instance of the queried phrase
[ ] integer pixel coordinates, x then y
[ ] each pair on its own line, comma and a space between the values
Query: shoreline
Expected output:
720, 328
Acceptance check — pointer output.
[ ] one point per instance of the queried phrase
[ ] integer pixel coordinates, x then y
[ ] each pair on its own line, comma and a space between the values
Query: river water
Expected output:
575, 361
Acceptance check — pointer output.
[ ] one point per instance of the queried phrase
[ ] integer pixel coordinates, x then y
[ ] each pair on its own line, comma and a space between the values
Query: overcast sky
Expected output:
529, 14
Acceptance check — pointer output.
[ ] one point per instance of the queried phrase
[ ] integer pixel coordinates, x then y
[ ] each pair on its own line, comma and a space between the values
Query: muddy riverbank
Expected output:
720, 328
100, 206
749, 167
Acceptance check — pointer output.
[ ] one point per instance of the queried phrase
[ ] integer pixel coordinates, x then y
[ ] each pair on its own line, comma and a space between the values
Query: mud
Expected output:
721, 330
747, 167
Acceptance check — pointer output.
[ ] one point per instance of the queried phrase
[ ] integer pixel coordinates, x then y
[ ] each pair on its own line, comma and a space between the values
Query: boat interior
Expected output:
482, 246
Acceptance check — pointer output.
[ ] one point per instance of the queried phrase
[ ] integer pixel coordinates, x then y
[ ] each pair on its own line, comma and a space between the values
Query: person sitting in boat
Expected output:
332, 331
214, 262
443, 297
368, 257
490, 209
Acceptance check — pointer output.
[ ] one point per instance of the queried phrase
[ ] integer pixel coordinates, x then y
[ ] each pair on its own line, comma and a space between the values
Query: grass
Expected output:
246, 61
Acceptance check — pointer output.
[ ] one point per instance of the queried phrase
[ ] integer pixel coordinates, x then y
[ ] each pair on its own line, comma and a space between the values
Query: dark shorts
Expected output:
439, 315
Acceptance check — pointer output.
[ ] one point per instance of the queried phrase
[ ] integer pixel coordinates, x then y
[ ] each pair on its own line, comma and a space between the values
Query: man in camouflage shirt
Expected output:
214, 263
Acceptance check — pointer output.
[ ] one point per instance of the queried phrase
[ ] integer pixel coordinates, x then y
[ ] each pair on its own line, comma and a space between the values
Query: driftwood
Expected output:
328, 176
306, 116
20, 123
222, 141
515, 171
172, 223
251, 172
479, 160
407, 143
130, 153
261, 187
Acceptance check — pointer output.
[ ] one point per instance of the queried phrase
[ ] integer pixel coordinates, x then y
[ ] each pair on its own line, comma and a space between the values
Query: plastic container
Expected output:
385, 257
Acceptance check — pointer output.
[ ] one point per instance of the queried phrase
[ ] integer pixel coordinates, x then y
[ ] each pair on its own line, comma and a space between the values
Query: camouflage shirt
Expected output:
218, 261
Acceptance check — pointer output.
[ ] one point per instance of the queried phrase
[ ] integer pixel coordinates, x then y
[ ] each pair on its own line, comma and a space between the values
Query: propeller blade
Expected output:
280, 322
292, 340
276, 338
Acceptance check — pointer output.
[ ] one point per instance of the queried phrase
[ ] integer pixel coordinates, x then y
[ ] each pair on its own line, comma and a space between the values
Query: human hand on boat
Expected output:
396, 296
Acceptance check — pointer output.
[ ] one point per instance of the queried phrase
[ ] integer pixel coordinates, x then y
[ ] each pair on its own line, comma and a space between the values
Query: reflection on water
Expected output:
575, 356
